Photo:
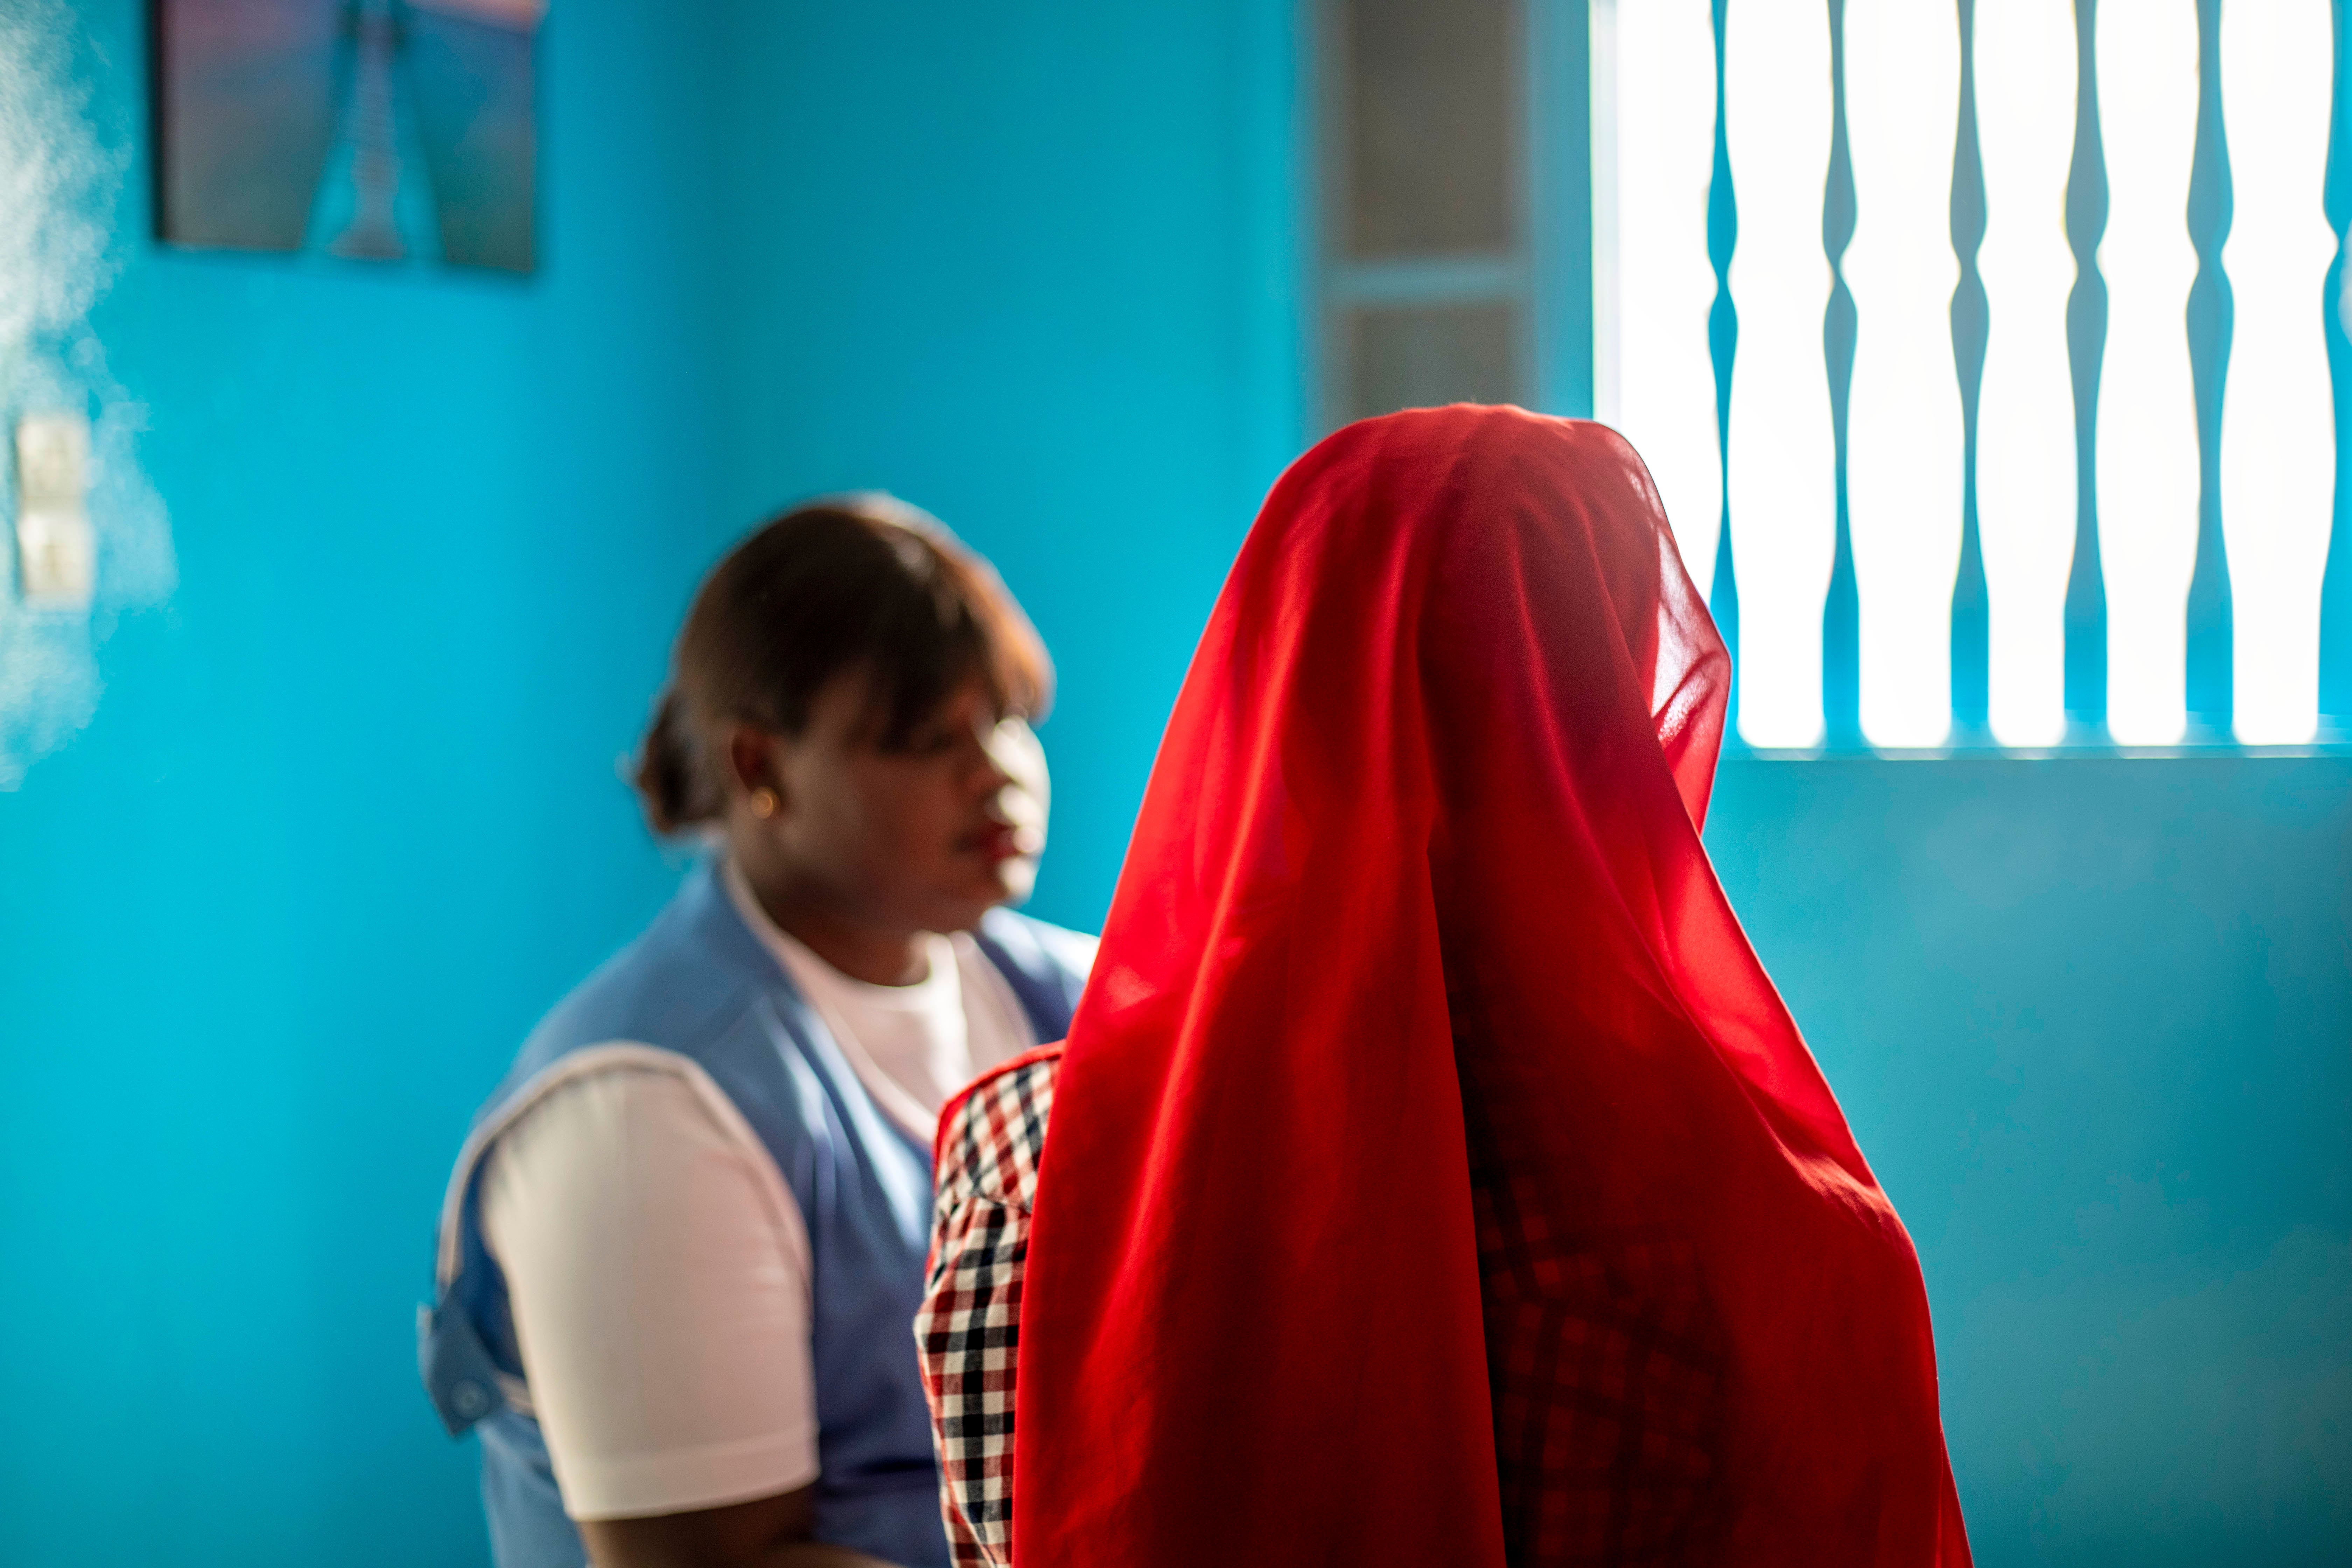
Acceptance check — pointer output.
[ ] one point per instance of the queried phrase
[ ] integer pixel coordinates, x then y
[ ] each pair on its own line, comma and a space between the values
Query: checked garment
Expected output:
1598, 1356
969, 1328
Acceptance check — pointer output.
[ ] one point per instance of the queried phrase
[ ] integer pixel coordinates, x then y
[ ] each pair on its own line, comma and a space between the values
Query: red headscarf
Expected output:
1434, 1175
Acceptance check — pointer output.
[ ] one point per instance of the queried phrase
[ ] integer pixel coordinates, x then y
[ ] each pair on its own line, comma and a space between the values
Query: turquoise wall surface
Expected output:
345, 817
2092, 1021
1039, 270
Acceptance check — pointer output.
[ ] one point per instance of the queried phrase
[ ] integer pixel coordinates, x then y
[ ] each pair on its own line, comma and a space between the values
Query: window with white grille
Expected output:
2036, 289
1984, 351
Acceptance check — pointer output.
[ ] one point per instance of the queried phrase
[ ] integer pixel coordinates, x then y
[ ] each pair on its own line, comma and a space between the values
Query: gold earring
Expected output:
764, 801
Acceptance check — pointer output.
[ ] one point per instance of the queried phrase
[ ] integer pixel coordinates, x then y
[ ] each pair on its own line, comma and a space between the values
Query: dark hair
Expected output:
863, 584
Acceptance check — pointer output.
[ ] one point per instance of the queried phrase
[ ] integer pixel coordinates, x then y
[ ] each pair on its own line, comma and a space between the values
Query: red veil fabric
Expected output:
1435, 1177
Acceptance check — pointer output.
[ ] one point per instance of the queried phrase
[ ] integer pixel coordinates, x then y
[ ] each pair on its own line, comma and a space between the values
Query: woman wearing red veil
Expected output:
1434, 1176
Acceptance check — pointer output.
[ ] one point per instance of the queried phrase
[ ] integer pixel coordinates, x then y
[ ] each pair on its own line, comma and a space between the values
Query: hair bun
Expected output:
666, 778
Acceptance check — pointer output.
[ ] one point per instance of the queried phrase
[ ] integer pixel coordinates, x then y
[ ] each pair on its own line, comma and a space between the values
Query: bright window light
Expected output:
2278, 438
2146, 464
2026, 64
1659, 386
1904, 443
1781, 458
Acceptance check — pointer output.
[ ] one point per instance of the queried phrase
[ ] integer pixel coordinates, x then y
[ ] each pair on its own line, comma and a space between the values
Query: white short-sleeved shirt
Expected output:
656, 1263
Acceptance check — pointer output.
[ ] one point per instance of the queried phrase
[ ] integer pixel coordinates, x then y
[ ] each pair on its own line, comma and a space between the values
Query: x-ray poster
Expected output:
386, 130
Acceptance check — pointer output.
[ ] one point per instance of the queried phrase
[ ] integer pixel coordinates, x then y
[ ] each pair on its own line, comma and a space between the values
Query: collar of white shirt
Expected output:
995, 1027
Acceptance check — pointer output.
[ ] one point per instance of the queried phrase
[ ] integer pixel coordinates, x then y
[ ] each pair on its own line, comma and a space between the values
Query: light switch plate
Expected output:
57, 553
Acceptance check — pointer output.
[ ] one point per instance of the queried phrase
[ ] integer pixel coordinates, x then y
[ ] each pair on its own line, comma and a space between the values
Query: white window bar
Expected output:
1781, 458
1904, 452
2278, 436
2025, 86
2146, 456
1653, 154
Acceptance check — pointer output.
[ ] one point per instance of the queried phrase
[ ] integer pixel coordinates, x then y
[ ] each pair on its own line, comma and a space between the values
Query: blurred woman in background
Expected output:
1432, 1175
682, 1246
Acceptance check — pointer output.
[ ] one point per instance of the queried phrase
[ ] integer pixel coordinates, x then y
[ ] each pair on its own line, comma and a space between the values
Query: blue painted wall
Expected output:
346, 818
2092, 1020
344, 823
1036, 268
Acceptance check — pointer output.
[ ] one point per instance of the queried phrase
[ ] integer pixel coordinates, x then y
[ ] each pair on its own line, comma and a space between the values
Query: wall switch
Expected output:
57, 553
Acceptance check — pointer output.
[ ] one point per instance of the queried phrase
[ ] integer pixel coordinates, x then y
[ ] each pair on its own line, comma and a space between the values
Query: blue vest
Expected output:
701, 984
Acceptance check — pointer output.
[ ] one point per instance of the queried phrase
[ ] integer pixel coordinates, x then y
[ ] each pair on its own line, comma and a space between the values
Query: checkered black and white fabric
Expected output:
1606, 1375
969, 1329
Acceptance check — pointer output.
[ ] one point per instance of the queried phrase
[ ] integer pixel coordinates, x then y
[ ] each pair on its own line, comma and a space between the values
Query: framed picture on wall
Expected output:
385, 131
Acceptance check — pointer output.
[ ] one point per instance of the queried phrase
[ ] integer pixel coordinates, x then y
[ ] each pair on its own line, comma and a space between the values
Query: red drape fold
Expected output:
1435, 1176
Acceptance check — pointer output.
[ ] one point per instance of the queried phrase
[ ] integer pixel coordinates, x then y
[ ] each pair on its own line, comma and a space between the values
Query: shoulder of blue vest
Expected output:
689, 975
1040, 945
1045, 964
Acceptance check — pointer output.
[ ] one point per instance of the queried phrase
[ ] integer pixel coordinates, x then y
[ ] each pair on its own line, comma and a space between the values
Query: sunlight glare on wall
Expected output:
2026, 71
1664, 381
2278, 436
1781, 457
2146, 456
1904, 446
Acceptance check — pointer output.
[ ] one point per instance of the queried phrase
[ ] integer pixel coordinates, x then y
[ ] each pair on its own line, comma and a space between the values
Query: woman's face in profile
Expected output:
925, 835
